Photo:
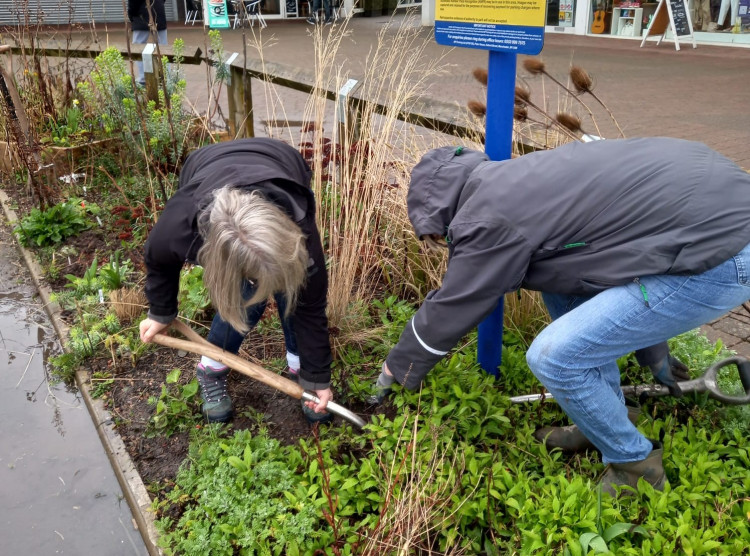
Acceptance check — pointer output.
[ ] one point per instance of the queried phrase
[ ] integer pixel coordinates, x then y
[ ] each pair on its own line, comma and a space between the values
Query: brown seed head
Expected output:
523, 95
520, 113
533, 66
573, 123
480, 74
581, 79
477, 108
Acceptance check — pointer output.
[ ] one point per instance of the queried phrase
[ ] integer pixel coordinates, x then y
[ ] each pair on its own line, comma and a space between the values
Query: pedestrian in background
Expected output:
313, 19
144, 14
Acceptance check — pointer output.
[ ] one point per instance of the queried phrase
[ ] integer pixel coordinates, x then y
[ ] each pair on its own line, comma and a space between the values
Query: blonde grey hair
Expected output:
246, 237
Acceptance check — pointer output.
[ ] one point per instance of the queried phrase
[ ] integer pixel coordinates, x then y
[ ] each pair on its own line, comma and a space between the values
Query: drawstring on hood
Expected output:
436, 185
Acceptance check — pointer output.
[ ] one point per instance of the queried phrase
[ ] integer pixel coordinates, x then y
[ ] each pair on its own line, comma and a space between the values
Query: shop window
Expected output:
561, 13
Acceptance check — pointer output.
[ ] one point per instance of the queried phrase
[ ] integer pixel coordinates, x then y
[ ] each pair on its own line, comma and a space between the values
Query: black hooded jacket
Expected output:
138, 14
577, 220
280, 173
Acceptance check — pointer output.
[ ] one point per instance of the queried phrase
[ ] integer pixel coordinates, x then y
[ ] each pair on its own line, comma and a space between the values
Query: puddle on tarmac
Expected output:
59, 492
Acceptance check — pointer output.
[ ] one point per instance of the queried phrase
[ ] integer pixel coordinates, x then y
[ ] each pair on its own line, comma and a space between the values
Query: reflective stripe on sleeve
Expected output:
425, 346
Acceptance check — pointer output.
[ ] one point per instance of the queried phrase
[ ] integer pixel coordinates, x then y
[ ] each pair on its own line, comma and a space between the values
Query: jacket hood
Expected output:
246, 163
436, 185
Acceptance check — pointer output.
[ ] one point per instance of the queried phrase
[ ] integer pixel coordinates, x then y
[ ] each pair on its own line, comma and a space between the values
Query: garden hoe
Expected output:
707, 382
198, 345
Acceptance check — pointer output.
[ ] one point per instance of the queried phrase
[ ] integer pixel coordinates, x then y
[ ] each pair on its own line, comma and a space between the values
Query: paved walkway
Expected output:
701, 94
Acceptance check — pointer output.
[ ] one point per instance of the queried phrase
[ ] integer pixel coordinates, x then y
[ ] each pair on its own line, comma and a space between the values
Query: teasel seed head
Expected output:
481, 75
523, 95
569, 121
533, 66
477, 108
581, 79
520, 113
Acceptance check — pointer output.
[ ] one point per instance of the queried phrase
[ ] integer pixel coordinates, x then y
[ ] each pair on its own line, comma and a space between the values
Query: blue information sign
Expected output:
489, 36
504, 28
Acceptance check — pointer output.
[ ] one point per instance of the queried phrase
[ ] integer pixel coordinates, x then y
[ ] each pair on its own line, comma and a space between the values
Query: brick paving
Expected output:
700, 94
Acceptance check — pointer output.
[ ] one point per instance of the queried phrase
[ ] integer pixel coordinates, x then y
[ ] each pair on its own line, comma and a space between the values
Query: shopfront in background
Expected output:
714, 21
561, 13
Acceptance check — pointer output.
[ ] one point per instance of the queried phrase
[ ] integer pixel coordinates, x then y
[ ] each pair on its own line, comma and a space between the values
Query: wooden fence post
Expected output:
349, 111
240, 99
152, 72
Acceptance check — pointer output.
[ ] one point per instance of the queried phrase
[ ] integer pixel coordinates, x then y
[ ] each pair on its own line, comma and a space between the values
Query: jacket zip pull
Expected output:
643, 290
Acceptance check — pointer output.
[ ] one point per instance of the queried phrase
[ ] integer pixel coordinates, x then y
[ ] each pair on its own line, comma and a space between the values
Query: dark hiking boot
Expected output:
312, 417
292, 374
571, 439
627, 474
217, 405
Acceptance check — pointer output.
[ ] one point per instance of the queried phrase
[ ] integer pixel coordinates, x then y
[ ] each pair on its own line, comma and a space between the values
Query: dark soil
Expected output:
158, 458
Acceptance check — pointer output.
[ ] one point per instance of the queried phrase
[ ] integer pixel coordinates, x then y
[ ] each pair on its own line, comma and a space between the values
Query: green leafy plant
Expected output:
88, 283
84, 339
56, 224
101, 384
114, 274
598, 540
127, 344
176, 407
109, 92
193, 297
72, 127
239, 494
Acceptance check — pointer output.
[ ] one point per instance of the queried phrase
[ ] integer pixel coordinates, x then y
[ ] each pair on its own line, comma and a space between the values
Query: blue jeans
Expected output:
226, 337
326, 8
143, 37
575, 356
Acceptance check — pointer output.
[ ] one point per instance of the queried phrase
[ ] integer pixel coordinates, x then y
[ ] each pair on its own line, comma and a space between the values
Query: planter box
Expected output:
66, 160
63, 160
9, 161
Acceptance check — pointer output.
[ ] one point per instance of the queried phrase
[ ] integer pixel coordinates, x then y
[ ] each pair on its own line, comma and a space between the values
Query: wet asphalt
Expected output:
58, 492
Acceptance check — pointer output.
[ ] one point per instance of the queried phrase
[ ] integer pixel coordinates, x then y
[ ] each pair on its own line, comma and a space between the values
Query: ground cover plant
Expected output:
450, 469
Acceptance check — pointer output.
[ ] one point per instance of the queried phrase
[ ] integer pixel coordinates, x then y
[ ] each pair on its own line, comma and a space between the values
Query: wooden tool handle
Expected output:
200, 346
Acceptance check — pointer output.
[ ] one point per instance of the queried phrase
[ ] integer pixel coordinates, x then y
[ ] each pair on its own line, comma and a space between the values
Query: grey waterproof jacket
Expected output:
578, 219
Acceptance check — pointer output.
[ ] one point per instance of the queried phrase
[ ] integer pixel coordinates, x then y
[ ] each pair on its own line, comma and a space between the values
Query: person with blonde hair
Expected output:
245, 212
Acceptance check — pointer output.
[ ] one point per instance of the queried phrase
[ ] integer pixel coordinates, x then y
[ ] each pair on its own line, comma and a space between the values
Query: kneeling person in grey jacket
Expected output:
631, 242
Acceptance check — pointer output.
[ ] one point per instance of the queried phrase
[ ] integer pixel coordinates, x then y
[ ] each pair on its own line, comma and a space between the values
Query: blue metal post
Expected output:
501, 86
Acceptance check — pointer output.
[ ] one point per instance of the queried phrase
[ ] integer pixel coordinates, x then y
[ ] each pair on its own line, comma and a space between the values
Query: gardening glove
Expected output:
382, 387
669, 371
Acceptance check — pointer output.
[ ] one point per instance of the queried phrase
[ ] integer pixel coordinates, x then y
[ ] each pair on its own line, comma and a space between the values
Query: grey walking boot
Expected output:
571, 439
627, 474
312, 417
217, 405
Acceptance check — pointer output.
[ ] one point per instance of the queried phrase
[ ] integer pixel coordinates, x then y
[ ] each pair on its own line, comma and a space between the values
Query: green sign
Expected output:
215, 14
